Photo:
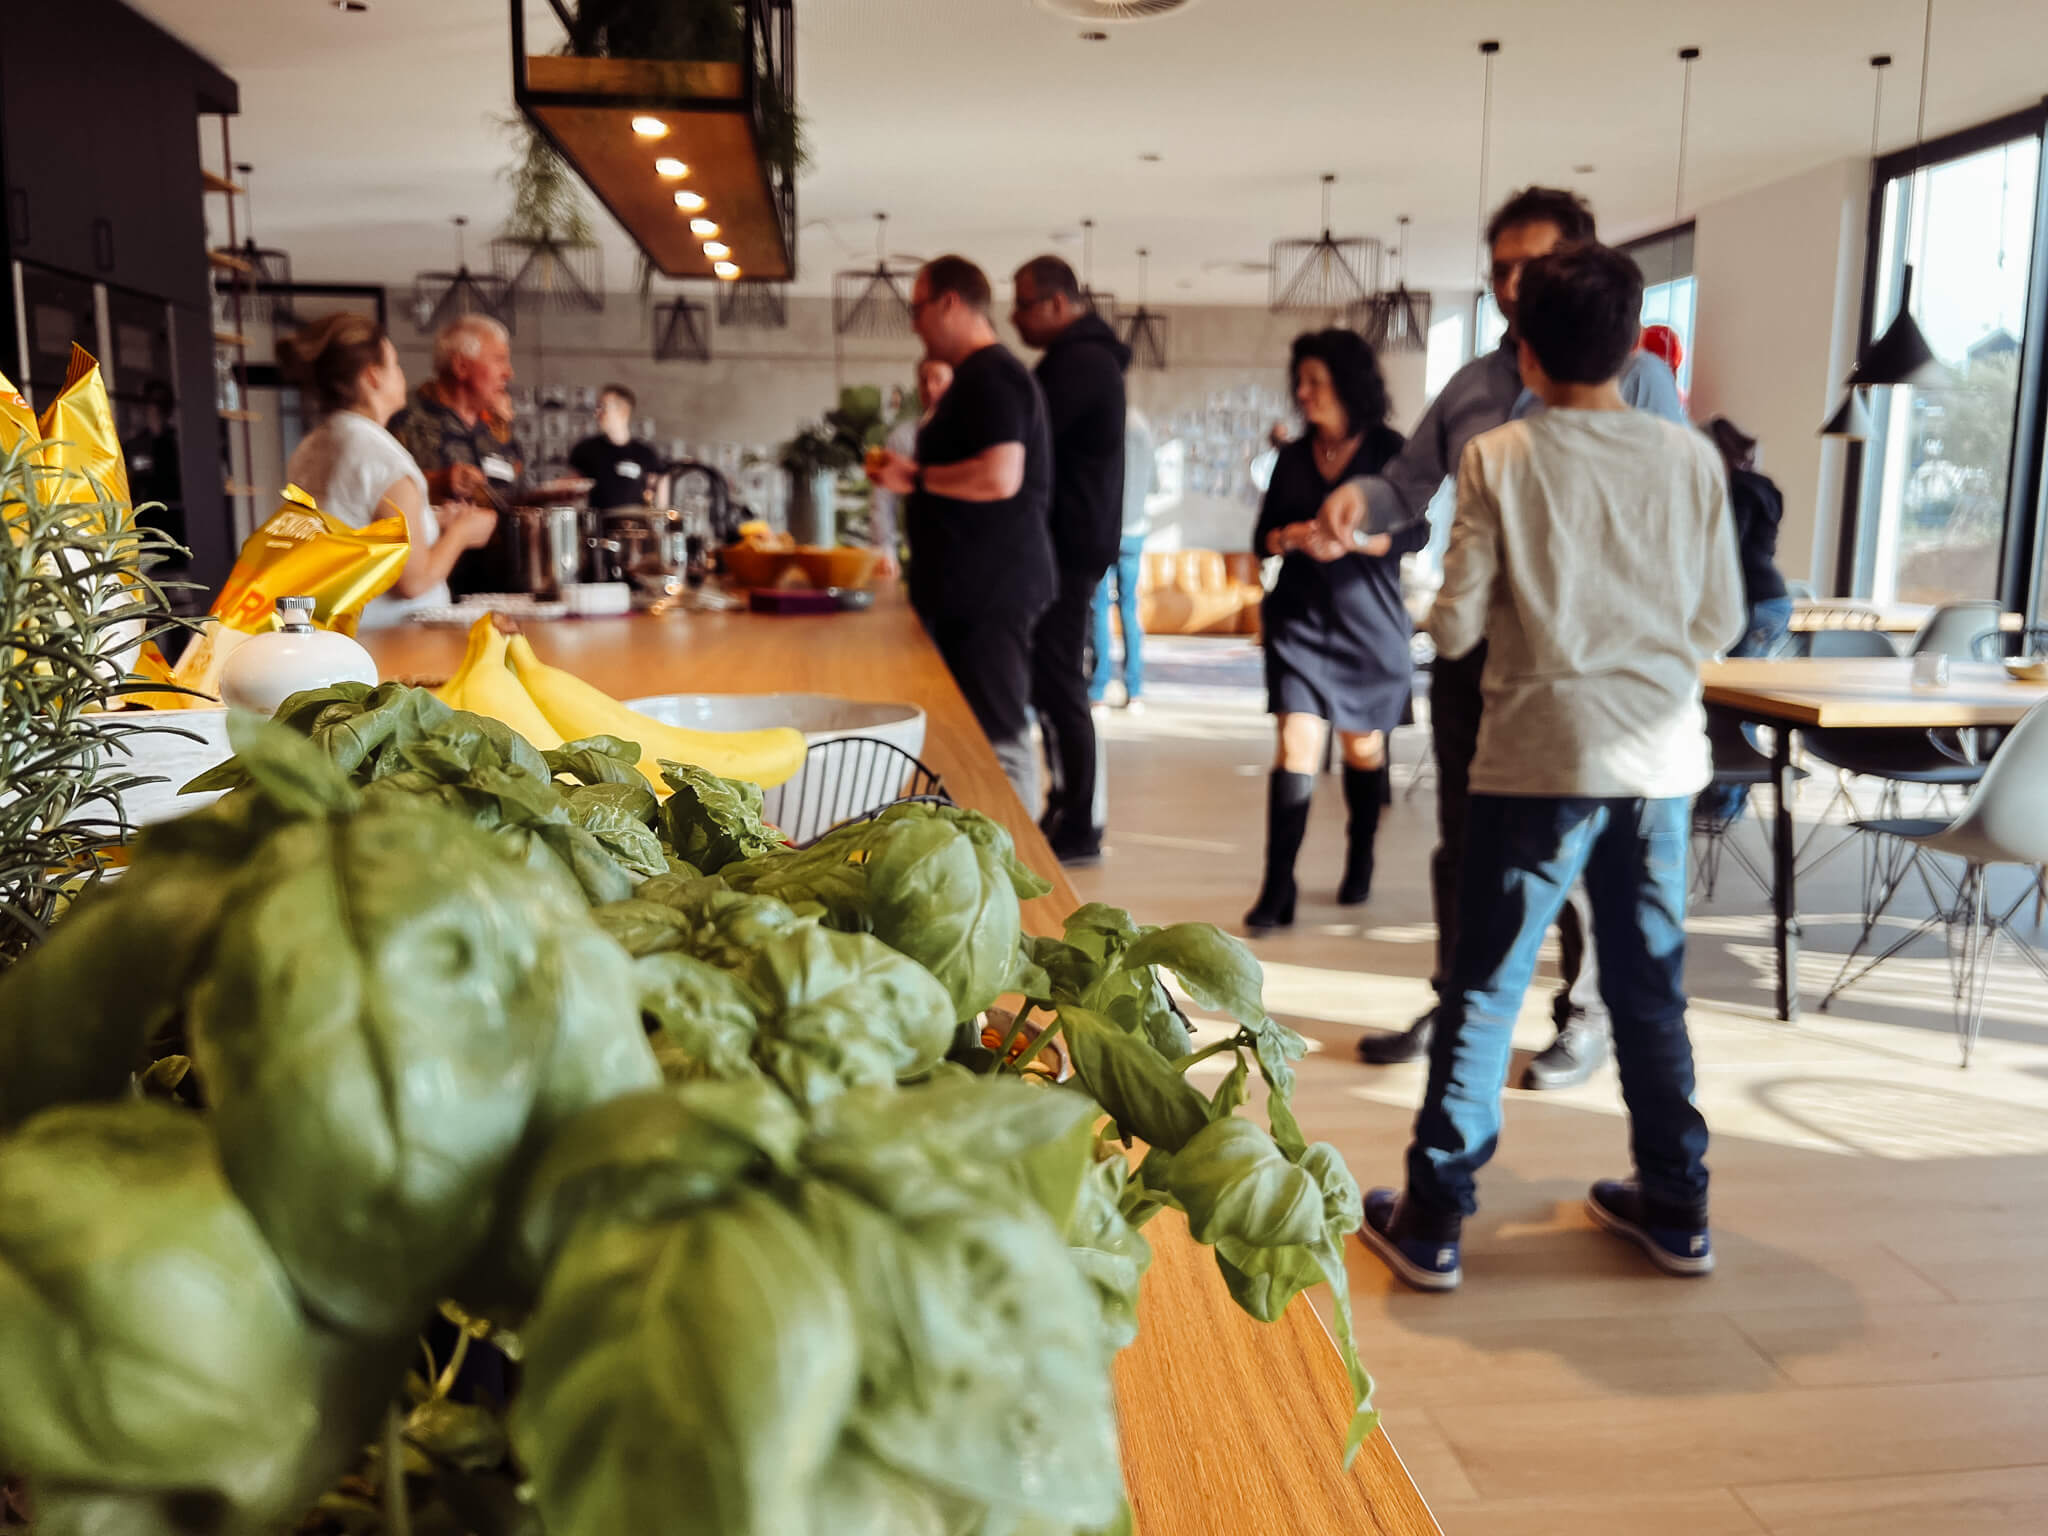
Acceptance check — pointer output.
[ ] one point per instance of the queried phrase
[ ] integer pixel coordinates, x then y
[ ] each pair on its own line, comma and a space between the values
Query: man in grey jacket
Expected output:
1486, 393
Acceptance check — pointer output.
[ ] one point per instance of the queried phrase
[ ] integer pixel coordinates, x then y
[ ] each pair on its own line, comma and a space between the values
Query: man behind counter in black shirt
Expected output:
623, 471
1082, 378
981, 561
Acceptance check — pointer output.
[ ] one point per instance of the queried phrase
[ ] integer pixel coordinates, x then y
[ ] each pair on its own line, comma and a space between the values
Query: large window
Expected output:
1945, 475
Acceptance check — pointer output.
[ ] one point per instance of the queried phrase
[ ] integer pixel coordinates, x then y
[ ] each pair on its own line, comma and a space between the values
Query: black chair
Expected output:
848, 778
1737, 761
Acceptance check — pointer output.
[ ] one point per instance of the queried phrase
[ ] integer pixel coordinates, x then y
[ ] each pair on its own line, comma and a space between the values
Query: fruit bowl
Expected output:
843, 567
751, 566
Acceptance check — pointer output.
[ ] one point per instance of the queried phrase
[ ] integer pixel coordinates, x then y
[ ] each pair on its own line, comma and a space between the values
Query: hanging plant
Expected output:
547, 200
699, 30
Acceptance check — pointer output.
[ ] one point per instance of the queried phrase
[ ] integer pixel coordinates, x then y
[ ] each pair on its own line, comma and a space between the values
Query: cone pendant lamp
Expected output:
1851, 418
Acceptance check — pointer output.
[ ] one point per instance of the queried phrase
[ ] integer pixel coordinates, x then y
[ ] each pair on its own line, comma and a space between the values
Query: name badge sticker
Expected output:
497, 467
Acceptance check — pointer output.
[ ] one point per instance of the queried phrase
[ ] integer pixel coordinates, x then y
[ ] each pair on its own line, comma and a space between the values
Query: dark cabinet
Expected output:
105, 183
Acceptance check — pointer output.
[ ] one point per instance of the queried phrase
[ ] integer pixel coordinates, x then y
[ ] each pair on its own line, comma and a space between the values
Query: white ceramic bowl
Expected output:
820, 796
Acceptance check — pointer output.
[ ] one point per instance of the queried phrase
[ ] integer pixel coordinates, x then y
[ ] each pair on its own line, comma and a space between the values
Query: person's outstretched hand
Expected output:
1343, 512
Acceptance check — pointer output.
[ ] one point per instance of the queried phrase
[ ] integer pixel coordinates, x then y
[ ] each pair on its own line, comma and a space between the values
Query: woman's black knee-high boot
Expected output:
1287, 800
1364, 794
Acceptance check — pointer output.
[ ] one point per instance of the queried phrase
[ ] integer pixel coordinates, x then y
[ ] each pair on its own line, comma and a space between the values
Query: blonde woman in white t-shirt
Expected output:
346, 366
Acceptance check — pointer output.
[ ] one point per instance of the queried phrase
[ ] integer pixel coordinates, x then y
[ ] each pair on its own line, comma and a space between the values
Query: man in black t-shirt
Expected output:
1082, 378
981, 560
623, 471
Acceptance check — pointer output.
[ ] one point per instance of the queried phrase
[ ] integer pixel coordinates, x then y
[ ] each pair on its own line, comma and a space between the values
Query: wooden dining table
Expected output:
1810, 614
1846, 694
1229, 1426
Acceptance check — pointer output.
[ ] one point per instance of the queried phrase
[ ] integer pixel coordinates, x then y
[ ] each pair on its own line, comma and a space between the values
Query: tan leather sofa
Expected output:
1199, 592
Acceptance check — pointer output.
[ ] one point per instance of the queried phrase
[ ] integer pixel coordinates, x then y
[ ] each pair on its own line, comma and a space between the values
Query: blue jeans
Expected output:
1522, 856
1125, 575
1769, 621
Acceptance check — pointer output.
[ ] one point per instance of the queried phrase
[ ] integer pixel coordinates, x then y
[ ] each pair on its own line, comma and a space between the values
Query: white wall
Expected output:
1780, 282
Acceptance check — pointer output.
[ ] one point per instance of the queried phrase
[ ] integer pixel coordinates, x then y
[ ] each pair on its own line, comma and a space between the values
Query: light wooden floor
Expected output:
1871, 1356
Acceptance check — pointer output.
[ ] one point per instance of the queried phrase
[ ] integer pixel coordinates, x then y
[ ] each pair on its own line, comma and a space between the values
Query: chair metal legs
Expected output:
1972, 927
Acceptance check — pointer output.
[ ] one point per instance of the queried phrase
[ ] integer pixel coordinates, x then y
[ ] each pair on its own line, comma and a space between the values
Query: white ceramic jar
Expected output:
265, 670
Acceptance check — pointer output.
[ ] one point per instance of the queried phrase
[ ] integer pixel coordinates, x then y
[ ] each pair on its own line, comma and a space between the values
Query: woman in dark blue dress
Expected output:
1336, 634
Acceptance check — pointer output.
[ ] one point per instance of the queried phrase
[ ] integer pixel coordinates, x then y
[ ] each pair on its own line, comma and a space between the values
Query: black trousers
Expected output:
1455, 704
1059, 692
989, 655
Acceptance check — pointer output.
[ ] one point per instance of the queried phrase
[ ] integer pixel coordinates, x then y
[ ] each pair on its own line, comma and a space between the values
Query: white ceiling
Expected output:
986, 126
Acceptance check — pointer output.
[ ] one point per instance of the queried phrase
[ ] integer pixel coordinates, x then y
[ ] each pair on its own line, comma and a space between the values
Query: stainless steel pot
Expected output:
546, 549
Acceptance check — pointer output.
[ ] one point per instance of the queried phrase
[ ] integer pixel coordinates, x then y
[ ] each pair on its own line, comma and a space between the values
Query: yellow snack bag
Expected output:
17, 421
300, 551
79, 436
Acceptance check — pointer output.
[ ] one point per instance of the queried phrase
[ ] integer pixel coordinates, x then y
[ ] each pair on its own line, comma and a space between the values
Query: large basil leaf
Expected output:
987, 834
1138, 1087
1218, 971
938, 897
148, 1337
827, 876
857, 1495
844, 1008
599, 760
600, 1048
1108, 1250
373, 1033
982, 1360
642, 1157
712, 822
1234, 1182
705, 1020
691, 1377
643, 927
618, 816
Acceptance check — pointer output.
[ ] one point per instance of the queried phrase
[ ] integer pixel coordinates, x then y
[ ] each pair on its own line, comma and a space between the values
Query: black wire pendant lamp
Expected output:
1487, 51
1102, 303
269, 269
439, 297
873, 302
682, 331
1325, 274
1143, 331
1397, 318
754, 306
1901, 355
550, 272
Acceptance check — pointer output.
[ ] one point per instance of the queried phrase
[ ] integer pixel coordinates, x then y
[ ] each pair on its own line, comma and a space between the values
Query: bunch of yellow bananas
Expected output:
501, 677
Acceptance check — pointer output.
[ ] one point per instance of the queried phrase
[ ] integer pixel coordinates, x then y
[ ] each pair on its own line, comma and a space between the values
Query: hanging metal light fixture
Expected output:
269, 269
1396, 319
1143, 331
1851, 418
1901, 355
873, 302
439, 297
754, 306
1487, 51
1102, 303
682, 331
547, 254
1686, 56
1324, 274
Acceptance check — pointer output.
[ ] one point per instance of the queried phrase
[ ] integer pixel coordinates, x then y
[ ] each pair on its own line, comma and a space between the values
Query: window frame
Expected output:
2024, 539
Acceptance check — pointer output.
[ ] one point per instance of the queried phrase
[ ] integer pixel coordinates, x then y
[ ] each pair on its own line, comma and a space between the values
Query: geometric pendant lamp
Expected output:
1396, 319
1142, 329
439, 297
1325, 273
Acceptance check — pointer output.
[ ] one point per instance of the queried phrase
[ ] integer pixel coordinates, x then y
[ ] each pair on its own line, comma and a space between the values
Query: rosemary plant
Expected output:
75, 600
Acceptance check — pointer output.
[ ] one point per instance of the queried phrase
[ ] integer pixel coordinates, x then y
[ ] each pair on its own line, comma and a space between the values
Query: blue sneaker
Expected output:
1681, 1249
1427, 1264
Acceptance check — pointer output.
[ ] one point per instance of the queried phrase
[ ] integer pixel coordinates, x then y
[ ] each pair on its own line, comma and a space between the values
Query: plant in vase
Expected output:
781, 1245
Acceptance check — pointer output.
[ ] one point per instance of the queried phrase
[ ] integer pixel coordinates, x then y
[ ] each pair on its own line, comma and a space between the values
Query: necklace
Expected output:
1330, 455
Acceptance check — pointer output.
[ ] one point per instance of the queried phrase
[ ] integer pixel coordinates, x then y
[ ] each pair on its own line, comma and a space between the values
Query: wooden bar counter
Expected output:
1230, 1427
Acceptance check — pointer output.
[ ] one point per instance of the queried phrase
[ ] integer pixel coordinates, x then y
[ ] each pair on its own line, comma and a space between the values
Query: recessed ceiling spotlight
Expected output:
1151, 157
717, 250
1094, 37
650, 127
350, 7
727, 270
1584, 170
704, 228
690, 202
671, 167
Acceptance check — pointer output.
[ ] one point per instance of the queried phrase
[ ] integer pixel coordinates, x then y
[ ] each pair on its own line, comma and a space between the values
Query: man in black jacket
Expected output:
1082, 377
